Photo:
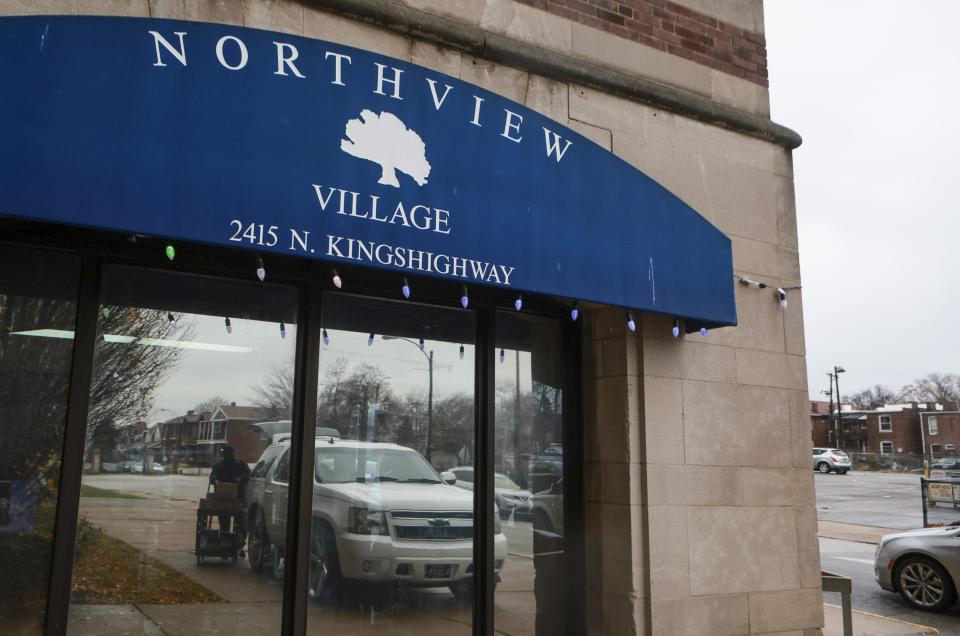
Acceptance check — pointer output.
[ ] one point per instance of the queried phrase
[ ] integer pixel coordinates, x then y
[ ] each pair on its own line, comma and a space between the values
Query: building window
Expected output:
932, 427
935, 450
219, 430
886, 447
886, 424
949, 450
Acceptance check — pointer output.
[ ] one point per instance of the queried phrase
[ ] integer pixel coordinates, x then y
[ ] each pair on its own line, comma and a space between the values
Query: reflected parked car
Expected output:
922, 565
547, 509
510, 497
826, 460
381, 514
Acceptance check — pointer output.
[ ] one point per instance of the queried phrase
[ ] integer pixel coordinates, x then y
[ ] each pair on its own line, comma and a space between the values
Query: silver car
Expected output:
922, 565
827, 460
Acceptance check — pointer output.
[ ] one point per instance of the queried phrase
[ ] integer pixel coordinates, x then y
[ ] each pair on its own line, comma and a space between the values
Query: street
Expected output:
873, 499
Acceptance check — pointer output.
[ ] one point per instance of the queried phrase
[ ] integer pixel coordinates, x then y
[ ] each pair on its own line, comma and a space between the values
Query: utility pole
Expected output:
837, 370
830, 393
835, 418
430, 408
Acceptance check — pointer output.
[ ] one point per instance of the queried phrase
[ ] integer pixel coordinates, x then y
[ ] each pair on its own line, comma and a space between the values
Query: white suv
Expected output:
831, 459
381, 513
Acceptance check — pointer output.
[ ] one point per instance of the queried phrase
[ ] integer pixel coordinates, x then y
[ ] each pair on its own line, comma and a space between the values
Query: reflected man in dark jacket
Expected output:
234, 471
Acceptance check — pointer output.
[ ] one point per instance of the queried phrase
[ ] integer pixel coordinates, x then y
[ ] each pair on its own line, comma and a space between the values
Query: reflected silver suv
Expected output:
381, 514
827, 460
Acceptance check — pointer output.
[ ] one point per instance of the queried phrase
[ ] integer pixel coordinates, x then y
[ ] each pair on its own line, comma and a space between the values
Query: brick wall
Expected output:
674, 29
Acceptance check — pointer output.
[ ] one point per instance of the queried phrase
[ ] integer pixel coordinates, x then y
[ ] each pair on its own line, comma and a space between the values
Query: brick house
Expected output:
890, 429
232, 424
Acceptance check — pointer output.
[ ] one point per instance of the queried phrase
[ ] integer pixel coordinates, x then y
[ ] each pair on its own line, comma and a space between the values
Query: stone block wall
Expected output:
700, 504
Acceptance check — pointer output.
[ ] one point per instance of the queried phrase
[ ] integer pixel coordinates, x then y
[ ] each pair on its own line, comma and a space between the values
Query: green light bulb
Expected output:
170, 252
106, 312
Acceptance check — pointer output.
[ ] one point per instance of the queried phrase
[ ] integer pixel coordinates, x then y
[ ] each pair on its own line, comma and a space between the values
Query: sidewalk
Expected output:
851, 532
865, 624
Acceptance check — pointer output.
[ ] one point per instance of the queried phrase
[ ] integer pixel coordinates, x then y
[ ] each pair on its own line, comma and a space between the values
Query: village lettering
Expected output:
232, 54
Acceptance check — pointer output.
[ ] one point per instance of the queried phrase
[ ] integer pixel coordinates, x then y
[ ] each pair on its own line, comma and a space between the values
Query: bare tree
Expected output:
211, 404
875, 396
940, 387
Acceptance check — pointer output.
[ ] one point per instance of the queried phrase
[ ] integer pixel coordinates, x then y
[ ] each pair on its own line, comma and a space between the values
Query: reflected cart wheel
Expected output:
257, 544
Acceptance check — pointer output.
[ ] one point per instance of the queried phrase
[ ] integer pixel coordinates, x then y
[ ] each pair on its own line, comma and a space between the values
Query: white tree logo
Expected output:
385, 140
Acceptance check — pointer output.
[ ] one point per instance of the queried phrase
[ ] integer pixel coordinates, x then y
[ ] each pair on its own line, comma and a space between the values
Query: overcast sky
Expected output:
872, 86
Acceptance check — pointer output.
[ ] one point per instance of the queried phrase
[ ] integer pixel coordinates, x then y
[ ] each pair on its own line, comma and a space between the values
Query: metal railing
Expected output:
843, 586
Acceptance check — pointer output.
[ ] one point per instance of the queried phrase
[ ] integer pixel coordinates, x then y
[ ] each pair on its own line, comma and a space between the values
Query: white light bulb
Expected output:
631, 325
226, 322
406, 288
261, 270
171, 318
336, 280
703, 331
676, 328
464, 298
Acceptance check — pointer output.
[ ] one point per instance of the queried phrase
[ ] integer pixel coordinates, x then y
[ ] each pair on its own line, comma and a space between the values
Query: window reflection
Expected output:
528, 460
38, 294
192, 382
393, 526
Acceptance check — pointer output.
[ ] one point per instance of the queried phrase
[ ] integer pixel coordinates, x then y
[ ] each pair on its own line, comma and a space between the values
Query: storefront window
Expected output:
38, 294
192, 383
529, 474
392, 533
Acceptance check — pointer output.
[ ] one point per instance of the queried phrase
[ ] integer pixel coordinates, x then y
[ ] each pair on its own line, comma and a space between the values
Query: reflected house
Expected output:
176, 438
130, 441
234, 425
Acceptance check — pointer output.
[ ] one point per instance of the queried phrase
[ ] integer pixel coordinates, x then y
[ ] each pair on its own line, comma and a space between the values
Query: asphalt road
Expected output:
885, 500
855, 560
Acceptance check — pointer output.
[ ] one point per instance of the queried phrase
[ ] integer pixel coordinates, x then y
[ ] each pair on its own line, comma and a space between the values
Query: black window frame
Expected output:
98, 248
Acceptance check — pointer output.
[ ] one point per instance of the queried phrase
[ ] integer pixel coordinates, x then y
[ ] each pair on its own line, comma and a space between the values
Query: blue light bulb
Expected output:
631, 325
575, 311
518, 303
326, 338
283, 330
370, 340
503, 354
421, 344
676, 328
406, 288
464, 298
703, 331
461, 352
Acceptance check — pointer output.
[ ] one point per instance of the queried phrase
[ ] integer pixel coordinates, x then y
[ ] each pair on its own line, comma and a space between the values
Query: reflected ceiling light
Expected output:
337, 281
226, 323
631, 325
326, 337
518, 303
575, 311
261, 270
170, 251
147, 342
406, 288
464, 297
676, 328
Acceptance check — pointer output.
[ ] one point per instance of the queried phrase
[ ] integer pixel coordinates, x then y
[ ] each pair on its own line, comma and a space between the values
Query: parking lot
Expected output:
162, 524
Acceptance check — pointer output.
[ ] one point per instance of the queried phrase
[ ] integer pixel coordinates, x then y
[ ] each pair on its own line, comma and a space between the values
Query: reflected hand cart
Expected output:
224, 537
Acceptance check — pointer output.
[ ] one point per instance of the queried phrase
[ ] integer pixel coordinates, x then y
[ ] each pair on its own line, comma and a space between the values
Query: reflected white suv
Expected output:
381, 513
